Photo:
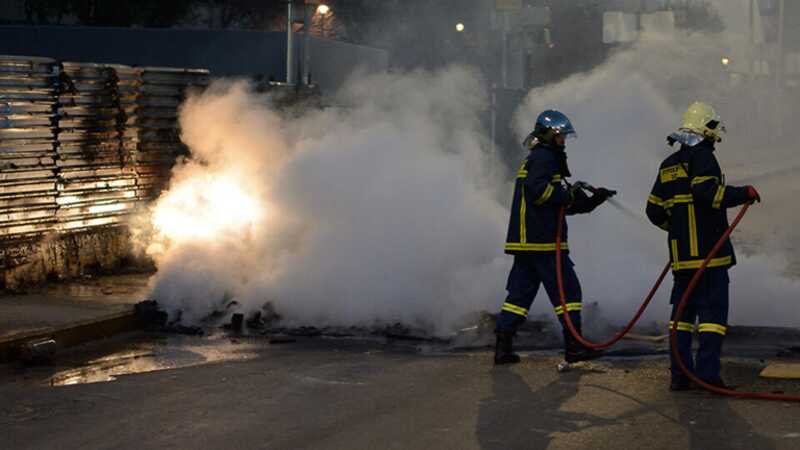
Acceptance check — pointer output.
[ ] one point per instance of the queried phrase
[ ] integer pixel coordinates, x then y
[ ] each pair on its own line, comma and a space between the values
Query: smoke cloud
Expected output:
390, 207
623, 111
380, 211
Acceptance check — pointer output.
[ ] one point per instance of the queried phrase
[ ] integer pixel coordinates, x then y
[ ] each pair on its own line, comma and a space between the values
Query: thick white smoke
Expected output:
390, 208
623, 111
380, 211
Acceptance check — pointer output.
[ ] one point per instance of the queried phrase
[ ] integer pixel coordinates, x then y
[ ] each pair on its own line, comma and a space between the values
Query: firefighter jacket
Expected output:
539, 193
688, 200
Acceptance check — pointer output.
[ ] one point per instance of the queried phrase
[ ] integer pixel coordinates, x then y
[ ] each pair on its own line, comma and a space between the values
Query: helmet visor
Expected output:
561, 125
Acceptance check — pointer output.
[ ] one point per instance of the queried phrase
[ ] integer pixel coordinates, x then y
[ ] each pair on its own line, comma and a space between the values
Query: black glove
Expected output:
575, 191
580, 202
604, 193
600, 196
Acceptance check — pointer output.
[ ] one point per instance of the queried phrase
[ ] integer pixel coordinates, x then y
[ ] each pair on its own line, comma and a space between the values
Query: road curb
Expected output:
71, 334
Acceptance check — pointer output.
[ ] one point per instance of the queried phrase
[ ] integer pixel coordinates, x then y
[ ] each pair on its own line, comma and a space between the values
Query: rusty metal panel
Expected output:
27, 65
85, 145
28, 89
152, 131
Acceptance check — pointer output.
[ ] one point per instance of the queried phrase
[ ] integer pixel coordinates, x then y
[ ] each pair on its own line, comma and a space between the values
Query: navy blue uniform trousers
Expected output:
708, 305
527, 274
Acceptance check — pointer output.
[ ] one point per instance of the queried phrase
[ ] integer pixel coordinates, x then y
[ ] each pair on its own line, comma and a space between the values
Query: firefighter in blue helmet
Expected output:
540, 192
688, 200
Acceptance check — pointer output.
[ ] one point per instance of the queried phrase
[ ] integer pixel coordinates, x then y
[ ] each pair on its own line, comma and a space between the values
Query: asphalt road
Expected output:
319, 394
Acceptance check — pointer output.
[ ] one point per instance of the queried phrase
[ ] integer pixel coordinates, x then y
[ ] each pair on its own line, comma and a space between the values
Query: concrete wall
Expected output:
223, 52
66, 256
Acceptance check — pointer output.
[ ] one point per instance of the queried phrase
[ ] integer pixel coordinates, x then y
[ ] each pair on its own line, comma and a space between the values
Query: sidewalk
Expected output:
70, 313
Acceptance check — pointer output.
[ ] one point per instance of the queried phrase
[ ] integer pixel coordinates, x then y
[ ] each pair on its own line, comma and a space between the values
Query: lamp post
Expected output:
289, 45
323, 11
309, 9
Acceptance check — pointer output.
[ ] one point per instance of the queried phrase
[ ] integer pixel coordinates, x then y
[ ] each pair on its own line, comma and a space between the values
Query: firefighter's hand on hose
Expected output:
753, 195
600, 196
605, 193
581, 203
575, 192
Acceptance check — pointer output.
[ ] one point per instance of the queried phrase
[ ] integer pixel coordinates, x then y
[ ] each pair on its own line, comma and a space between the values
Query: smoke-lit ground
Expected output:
393, 209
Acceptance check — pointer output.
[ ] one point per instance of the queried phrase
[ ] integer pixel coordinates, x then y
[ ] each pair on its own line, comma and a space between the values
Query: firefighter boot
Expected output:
503, 350
680, 383
574, 351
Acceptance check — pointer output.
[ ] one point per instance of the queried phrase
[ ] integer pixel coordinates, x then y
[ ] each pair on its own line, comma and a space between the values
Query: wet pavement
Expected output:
61, 304
153, 390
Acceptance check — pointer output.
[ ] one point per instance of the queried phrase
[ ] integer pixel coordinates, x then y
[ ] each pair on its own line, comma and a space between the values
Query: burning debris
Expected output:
269, 324
39, 351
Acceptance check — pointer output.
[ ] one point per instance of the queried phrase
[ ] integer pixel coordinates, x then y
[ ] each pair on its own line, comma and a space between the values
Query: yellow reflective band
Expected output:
656, 200
693, 250
696, 263
522, 246
670, 202
672, 173
680, 198
514, 309
683, 326
548, 191
712, 328
574, 306
674, 247
717, 204
698, 180
523, 232
522, 173
556, 179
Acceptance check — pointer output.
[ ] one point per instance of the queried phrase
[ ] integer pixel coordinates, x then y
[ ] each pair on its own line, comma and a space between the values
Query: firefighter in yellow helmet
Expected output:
688, 200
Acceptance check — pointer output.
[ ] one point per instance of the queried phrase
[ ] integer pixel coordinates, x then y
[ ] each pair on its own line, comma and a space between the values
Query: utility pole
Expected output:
780, 65
306, 44
752, 24
494, 119
504, 63
780, 69
289, 45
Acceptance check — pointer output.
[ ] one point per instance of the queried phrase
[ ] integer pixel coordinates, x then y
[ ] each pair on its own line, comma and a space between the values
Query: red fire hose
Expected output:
617, 337
678, 313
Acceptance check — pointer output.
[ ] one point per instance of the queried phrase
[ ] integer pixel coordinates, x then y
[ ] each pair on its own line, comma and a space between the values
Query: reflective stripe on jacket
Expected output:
689, 199
539, 193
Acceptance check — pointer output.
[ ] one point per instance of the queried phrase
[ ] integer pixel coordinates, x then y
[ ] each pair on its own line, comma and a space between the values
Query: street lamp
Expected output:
459, 27
323, 11
726, 61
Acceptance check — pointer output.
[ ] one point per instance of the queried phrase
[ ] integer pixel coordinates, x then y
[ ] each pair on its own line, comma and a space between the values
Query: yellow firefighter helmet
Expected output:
703, 120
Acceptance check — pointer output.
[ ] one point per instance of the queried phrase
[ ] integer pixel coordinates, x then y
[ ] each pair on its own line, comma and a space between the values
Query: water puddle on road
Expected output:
143, 352
144, 355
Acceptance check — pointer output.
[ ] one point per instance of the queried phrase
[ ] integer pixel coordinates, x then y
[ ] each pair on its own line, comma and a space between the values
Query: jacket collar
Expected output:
703, 145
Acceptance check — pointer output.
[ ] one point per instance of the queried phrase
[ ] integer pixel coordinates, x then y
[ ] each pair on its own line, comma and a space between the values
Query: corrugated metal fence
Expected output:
84, 145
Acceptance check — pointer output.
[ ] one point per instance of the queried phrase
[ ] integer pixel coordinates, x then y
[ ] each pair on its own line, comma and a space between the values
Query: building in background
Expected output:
224, 52
758, 48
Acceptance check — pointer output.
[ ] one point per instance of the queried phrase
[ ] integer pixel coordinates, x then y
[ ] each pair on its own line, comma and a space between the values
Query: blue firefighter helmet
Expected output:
556, 121
549, 124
